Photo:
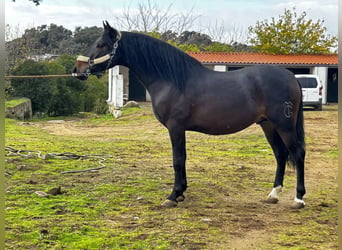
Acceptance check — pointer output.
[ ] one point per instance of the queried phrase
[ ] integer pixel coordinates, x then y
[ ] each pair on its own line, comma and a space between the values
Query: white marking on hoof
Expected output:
169, 203
273, 197
298, 204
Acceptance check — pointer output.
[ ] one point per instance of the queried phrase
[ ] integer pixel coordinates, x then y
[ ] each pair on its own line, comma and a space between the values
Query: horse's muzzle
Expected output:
81, 76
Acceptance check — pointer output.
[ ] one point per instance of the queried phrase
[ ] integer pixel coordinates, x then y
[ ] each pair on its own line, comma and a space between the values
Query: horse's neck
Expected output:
141, 70
154, 62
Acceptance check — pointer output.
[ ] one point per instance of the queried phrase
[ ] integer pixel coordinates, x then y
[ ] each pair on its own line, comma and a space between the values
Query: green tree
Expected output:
68, 61
37, 89
95, 94
291, 34
52, 39
85, 37
188, 47
219, 47
59, 96
87, 95
65, 99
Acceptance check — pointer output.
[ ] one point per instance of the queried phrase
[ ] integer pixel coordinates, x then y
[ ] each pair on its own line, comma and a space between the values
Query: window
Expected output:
308, 82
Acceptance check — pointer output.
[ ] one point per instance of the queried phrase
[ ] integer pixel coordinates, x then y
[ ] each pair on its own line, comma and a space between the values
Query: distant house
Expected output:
325, 66
45, 57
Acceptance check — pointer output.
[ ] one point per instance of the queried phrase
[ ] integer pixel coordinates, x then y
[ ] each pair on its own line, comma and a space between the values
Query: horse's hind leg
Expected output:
296, 150
281, 154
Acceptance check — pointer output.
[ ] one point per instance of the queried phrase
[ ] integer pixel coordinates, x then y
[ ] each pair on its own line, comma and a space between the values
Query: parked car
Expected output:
312, 90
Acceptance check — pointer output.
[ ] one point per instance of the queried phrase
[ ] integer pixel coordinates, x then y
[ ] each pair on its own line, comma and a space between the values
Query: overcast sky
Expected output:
234, 14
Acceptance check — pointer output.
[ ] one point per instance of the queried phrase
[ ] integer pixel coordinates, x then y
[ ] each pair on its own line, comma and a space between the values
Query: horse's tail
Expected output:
300, 125
300, 139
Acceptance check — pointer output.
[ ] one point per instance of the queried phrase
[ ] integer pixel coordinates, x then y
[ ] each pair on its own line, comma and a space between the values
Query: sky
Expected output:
235, 16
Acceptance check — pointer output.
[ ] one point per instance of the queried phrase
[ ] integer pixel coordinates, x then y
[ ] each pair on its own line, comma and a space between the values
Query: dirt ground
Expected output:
258, 223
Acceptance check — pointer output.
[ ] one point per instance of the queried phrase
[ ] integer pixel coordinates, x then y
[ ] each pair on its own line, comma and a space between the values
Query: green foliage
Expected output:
68, 61
189, 47
154, 33
191, 41
39, 90
219, 47
85, 37
58, 96
100, 107
49, 39
291, 34
195, 38
46, 39
63, 101
15, 102
95, 94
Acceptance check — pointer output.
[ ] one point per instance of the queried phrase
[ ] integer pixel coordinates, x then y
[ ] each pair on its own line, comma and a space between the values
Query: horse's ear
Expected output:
106, 25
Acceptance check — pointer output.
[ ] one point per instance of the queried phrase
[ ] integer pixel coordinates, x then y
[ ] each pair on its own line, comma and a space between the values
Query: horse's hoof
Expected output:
271, 200
180, 198
169, 203
298, 204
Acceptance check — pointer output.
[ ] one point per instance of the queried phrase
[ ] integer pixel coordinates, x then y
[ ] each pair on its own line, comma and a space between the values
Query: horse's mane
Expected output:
159, 58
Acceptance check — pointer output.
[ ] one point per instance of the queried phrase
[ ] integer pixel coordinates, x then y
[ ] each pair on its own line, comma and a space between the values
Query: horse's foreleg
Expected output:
179, 157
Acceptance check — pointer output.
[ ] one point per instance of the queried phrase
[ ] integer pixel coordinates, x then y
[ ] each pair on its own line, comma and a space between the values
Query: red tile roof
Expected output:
256, 58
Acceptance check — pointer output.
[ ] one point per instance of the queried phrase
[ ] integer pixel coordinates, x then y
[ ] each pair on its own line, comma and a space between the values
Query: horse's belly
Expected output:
223, 115
220, 128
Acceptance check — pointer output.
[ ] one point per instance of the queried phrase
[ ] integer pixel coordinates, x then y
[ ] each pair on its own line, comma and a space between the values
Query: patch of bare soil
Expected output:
65, 128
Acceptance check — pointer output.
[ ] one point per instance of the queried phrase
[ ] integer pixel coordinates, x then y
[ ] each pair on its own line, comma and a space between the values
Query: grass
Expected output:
15, 102
118, 207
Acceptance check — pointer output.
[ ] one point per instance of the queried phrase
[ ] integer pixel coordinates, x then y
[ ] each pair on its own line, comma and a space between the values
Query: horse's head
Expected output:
100, 56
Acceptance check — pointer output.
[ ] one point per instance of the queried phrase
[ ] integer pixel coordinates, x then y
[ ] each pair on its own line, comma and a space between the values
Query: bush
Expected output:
59, 96
39, 90
95, 93
101, 107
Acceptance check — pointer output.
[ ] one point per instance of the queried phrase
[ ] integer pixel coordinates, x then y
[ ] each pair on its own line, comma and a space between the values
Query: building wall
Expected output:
125, 73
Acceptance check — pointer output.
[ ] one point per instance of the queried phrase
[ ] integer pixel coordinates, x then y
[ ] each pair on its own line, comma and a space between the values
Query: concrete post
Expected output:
322, 73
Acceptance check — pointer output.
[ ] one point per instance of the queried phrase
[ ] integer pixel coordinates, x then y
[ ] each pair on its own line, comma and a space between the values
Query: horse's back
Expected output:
226, 102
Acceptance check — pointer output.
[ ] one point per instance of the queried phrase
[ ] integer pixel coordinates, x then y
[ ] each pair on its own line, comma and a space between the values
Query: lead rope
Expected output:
29, 154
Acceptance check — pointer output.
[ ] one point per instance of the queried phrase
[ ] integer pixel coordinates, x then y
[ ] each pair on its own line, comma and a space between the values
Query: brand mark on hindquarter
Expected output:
288, 109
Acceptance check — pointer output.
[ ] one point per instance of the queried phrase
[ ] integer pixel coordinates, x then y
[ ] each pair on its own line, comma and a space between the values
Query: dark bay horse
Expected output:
188, 96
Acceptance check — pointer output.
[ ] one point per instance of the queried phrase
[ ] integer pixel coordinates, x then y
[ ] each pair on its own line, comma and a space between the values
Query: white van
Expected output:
312, 90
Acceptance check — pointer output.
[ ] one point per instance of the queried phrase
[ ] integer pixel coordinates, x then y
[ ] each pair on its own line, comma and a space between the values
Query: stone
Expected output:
20, 109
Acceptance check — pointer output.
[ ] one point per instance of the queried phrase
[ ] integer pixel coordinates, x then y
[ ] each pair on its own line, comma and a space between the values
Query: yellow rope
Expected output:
38, 76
